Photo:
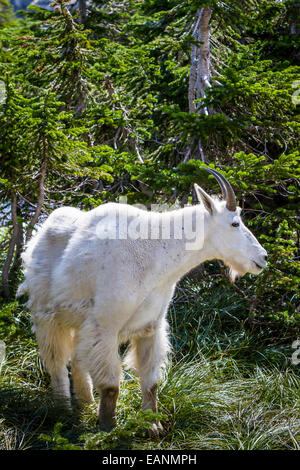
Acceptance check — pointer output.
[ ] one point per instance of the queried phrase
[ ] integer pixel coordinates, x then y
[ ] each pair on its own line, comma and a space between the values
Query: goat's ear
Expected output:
205, 199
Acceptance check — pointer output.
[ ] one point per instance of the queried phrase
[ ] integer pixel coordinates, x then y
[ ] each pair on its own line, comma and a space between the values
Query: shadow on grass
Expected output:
25, 414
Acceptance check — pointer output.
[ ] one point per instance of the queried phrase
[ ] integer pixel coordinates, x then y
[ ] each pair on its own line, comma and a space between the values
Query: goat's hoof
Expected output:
107, 426
82, 403
156, 431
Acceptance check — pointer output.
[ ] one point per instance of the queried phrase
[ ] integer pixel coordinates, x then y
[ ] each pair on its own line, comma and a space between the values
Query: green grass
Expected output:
226, 387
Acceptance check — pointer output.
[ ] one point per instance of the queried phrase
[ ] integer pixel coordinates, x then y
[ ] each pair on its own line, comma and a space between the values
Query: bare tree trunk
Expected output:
11, 248
295, 21
200, 74
19, 246
41, 196
83, 11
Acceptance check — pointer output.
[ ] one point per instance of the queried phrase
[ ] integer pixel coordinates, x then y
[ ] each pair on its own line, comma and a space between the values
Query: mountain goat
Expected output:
97, 279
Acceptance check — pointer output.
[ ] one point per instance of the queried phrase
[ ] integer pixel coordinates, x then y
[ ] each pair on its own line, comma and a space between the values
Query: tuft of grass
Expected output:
218, 321
204, 406
211, 410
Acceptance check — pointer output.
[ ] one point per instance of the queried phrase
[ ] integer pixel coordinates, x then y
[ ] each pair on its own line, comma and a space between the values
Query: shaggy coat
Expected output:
89, 292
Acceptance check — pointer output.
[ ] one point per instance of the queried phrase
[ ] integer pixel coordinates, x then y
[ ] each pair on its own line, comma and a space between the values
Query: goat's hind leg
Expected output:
97, 351
55, 344
82, 383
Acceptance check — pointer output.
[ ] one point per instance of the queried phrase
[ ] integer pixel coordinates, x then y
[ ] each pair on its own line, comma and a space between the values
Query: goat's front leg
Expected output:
106, 377
98, 351
107, 408
147, 355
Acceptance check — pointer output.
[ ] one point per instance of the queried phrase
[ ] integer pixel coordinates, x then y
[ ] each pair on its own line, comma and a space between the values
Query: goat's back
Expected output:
43, 252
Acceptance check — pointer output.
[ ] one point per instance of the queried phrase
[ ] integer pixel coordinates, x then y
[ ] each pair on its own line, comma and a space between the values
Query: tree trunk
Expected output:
295, 21
11, 248
41, 195
19, 246
83, 11
200, 74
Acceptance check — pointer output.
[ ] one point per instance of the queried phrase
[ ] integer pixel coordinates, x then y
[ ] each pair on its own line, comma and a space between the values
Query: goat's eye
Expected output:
235, 224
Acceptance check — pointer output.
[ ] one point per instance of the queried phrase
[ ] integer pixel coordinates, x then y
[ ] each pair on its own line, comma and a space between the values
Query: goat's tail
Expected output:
22, 289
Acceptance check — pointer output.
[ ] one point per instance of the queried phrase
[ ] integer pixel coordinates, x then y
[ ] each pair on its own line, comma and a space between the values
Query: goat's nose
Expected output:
265, 258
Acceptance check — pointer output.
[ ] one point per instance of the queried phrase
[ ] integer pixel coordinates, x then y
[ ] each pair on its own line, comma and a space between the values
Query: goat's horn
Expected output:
227, 191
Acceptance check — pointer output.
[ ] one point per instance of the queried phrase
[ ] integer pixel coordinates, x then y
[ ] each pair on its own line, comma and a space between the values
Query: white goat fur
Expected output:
87, 295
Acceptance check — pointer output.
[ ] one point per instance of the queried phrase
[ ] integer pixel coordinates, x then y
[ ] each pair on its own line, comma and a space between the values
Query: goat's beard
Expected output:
233, 275
235, 271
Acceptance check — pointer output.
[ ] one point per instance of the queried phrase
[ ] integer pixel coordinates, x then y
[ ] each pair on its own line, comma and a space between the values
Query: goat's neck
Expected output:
177, 259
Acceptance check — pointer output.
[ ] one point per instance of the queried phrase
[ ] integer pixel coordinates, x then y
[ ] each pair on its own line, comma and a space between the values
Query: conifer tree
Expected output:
37, 147
141, 100
6, 12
